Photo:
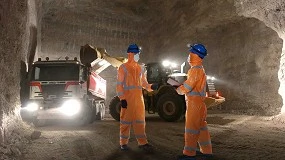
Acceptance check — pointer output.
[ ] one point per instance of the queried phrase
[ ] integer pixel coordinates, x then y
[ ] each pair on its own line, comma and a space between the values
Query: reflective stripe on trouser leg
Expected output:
205, 139
191, 139
139, 130
125, 127
193, 121
124, 133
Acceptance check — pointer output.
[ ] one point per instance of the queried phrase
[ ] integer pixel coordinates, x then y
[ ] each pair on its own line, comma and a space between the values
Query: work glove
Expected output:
124, 103
154, 86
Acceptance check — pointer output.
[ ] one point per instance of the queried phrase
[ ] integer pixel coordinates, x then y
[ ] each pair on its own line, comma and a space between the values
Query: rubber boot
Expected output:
185, 157
124, 147
147, 148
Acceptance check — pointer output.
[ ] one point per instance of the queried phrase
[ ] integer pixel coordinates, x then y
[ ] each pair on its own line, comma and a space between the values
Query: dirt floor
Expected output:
234, 137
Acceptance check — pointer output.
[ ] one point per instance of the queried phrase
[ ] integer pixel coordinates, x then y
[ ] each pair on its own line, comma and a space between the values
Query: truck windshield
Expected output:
67, 72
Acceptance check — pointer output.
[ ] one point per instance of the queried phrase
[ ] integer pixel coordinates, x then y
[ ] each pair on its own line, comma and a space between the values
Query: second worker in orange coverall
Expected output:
195, 90
131, 80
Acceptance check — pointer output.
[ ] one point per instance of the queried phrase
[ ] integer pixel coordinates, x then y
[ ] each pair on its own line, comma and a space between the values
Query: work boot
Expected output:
147, 148
200, 154
124, 147
185, 157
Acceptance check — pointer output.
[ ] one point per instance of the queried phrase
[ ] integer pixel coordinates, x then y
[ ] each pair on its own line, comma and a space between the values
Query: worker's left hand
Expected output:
124, 103
154, 86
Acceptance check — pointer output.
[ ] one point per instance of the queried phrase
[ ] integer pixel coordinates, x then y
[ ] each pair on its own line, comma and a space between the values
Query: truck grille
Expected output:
52, 91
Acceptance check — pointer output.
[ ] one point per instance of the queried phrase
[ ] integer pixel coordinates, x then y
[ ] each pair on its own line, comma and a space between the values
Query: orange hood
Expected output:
131, 58
195, 60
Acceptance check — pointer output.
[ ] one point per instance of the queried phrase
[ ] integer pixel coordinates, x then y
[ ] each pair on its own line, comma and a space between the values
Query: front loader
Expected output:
165, 101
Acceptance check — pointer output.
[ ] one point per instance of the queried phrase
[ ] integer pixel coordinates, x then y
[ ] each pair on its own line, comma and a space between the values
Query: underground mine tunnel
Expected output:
244, 42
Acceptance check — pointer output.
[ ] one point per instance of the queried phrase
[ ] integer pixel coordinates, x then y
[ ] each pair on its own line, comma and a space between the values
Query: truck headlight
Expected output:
70, 107
31, 107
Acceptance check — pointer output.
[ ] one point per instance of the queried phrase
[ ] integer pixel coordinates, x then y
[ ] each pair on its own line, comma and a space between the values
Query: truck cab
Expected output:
64, 89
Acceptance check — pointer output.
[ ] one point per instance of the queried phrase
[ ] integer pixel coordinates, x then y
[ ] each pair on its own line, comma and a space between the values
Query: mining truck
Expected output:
165, 101
67, 89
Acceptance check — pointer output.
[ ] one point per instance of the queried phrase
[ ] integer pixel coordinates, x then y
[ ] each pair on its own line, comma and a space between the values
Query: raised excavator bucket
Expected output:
98, 58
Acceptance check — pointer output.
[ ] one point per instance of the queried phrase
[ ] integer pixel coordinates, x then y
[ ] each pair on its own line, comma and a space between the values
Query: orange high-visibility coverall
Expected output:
196, 125
131, 80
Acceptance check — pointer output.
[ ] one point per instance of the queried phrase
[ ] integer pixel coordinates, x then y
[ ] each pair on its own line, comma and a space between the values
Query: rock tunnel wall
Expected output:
245, 60
239, 47
94, 22
273, 15
18, 22
243, 52
100, 23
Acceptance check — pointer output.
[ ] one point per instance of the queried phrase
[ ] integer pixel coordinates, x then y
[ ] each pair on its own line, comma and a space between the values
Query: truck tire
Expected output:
101, 114
84, 117
170, 107
93, 112
115, 108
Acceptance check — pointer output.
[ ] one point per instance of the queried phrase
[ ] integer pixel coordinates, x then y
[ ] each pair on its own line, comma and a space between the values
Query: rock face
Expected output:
244, 53
18, 28
12, 35
273, 15
244, 49
99, 23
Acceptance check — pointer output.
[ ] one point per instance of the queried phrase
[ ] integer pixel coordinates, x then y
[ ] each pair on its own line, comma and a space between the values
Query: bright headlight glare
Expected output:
165, 63
213, 78
32, 107
70, 107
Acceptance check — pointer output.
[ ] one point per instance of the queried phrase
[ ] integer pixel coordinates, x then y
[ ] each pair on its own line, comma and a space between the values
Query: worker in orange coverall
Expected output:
195, 90
131, 80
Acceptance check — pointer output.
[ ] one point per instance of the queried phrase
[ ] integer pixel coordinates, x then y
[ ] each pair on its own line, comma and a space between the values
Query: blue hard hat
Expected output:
198, 49
134, 48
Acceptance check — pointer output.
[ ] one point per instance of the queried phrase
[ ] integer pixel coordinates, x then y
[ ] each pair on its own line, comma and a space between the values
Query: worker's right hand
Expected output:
124, 103
179, 91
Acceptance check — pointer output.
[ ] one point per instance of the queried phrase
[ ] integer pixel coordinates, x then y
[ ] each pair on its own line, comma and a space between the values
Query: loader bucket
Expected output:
212, 102
87, 54
98, 59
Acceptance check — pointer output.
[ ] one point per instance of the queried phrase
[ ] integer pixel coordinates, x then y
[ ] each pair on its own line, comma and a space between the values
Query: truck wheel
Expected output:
39, 122
101, 114
170, 107
84, 117
115, 108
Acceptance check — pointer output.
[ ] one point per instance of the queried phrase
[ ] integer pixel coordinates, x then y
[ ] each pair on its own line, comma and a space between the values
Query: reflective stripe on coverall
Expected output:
131, 80
196, 125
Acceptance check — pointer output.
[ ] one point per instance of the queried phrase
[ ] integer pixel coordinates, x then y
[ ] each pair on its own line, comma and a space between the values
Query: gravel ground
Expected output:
234, 137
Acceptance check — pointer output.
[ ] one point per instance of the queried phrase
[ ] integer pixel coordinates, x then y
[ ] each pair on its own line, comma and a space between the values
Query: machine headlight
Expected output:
32, 107
167, 63
70, 107
212, 78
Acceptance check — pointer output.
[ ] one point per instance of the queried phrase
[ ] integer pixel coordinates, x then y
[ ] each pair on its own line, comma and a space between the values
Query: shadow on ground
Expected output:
136, 154
219, 120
